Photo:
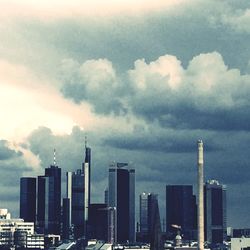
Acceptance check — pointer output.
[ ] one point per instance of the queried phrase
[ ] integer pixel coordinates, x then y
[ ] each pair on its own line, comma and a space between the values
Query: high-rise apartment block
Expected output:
215, 211
122, 197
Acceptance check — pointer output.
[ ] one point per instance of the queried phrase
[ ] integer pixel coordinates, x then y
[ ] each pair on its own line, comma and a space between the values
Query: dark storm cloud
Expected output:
6, 152
202, 95
156, 143
206, 95
70, 150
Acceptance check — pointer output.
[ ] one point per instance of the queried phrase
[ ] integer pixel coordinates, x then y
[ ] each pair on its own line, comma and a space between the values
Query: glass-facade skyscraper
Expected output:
122, 197
181, 210
215, 212
75, 194
28, 199
49, 201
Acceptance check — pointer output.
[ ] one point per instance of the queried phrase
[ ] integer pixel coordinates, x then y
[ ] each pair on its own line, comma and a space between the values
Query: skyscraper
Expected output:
122, 197
215, 211
87, 163
98, 221
86, 168
28, 199
49, 201
144, 213
156, 241
148, 217
66, 219
75, 194
180, 209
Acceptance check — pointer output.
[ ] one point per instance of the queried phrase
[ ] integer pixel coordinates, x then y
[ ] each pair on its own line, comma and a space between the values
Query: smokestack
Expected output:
200, 163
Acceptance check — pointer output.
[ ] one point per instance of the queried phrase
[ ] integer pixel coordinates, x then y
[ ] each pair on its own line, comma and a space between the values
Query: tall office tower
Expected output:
28, 199
122, 197
180, 210
75, 194
200, 184
144, 213
86, 168
156, 241
49, 201
215, 212
66, 219
147, 216
98, 221
132, 205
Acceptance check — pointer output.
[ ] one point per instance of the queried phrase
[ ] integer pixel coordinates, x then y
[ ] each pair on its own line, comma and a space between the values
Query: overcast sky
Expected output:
142, 80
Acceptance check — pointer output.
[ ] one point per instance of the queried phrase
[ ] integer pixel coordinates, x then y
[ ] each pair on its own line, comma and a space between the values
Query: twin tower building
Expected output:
75, 217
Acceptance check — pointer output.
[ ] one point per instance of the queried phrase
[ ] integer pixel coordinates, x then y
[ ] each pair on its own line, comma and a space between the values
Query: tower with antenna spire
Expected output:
87, 183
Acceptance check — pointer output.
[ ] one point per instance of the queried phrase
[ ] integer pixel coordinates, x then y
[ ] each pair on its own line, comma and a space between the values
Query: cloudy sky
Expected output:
142, 80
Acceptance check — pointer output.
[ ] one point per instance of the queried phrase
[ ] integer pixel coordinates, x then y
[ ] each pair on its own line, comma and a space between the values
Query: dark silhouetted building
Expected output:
98, 222
28, 199
49, 201
215, 212
65, 219
122, 197
75, 194
86, 168
148, 217
156, 241
181, 210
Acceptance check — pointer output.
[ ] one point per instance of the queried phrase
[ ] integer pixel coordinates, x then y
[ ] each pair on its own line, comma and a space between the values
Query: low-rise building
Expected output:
16, 232
240, 243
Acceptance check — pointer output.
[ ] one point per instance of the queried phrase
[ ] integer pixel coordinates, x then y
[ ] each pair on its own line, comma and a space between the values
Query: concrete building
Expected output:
14, 231
112, 230
35, 241
240, 243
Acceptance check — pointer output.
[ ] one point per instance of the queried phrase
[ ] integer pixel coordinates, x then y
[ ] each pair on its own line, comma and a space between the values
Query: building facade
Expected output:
75, 194
98, 221
148, 217
181, 210
215, 212
49, 201
28, 199
122, 197
14, 232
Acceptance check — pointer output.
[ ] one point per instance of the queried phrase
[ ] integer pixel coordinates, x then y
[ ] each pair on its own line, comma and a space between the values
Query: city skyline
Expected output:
143, 81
